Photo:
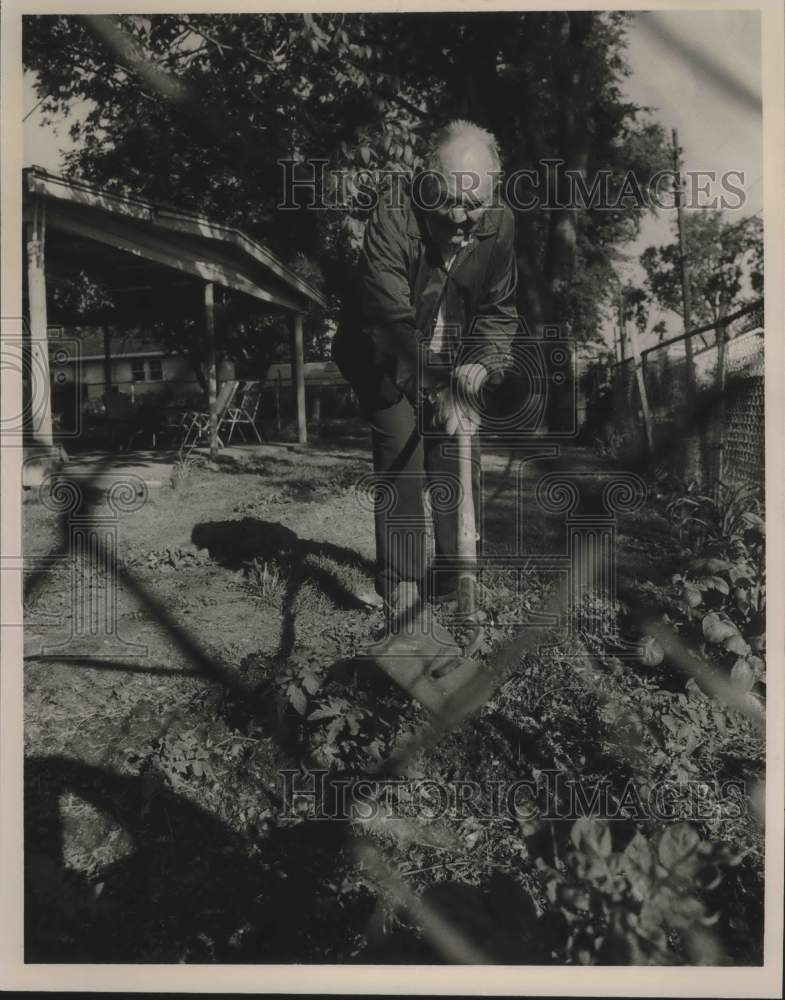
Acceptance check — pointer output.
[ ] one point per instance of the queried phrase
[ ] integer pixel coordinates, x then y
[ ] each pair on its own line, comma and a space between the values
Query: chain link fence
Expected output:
711, 431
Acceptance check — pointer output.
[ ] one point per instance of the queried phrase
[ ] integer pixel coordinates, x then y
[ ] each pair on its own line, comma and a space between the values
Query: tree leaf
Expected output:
326, 712
735, 644
741, 571
757, 665
311, 683
715, 629
742, 675
710, 566
650, 652
754, 522
592, 836
297, 698
676, 844
638, 856
713, 583
692, 595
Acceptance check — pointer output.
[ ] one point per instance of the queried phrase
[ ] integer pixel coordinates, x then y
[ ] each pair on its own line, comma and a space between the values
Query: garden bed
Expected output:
159, 823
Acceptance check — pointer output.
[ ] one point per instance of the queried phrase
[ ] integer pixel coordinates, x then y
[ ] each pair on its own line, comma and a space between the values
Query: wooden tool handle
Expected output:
467, 531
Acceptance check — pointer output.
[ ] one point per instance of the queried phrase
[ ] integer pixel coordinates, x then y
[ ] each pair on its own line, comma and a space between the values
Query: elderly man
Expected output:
432, 323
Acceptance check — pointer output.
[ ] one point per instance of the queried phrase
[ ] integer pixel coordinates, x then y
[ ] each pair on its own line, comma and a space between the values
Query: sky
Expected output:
719, 125
717, 129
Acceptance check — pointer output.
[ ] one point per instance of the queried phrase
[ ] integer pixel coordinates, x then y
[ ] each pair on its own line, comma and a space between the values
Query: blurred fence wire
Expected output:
715, 433
699, 59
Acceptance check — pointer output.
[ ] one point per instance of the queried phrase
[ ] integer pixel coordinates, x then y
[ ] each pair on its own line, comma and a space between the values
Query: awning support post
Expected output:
40, 381
298, 375
107, 359
212, 372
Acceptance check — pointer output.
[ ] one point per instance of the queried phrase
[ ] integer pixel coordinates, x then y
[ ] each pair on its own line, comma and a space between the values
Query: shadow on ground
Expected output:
189, 889
233, 544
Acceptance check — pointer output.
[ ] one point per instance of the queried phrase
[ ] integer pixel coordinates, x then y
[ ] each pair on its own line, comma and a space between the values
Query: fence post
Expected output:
683, 269
722, 342
636, 360
622, 328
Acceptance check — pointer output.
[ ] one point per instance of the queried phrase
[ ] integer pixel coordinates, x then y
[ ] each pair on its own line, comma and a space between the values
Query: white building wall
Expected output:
176, 373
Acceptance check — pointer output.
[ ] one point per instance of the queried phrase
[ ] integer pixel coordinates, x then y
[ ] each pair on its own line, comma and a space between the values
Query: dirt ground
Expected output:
155, 746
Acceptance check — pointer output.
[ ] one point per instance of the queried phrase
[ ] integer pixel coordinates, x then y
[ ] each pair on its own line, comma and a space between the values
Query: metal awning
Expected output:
137, 250
157, 235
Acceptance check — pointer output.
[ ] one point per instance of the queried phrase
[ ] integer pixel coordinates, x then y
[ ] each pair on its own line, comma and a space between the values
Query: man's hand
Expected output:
456, 407
469, 380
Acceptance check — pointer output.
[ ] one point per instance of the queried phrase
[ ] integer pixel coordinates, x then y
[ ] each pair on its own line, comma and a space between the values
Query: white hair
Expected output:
460, 130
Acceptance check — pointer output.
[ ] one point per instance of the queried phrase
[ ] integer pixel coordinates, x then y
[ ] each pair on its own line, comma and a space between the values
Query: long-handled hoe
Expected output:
420, 655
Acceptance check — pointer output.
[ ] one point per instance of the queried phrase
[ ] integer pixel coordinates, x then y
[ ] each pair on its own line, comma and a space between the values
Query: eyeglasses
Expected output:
472, 207
440, 202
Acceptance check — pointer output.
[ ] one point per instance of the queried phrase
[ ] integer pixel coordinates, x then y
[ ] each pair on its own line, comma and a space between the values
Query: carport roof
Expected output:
159, 237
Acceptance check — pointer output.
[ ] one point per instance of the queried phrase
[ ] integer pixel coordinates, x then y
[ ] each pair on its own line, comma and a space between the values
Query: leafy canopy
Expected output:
197, 110
725, 266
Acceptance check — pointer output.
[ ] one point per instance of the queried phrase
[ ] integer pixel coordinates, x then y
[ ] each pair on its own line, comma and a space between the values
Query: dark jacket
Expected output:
380, 345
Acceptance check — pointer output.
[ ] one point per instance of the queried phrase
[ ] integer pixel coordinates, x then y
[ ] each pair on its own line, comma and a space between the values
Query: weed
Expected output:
699, 520
266, 582
183, 754
182, 472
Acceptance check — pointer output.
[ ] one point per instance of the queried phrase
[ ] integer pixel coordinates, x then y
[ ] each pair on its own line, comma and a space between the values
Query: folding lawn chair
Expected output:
244, 413
196, 423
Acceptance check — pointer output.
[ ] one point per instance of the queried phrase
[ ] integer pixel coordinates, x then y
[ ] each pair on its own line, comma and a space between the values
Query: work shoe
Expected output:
448, 599
368, 598
436, 589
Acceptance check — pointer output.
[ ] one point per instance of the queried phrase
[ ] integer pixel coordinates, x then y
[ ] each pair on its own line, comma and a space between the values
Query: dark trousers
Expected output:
407, 457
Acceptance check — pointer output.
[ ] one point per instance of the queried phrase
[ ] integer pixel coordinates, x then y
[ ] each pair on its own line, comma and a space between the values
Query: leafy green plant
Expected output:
698, 519
624, 906
721, 609
346, 734
298, 681
185, 754
720, 595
